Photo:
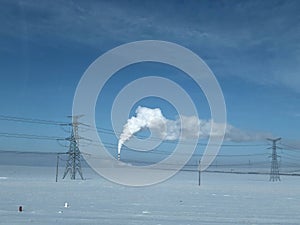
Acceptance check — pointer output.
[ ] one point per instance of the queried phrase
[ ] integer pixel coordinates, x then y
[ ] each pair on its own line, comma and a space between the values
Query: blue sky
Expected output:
253, 48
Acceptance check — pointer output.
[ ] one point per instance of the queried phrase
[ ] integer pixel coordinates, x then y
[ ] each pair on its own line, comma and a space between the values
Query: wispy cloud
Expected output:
296, 114
254, 40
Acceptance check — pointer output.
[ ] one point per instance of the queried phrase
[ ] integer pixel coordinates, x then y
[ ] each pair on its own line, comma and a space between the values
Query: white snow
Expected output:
221, 199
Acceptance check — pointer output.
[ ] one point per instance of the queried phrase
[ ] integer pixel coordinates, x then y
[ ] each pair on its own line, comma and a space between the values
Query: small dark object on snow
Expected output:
20, 208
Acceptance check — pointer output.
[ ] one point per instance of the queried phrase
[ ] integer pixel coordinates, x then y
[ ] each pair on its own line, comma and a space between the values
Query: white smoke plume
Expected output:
188, 127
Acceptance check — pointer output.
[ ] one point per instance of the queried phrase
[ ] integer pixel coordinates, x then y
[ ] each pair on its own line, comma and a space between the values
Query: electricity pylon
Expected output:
73, 164
274, 173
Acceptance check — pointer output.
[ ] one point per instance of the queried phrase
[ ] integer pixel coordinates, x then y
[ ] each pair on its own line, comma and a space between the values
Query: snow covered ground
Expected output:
221, 199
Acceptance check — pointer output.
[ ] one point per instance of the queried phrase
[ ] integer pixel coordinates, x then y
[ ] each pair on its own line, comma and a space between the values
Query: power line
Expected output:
108, 131
109, 144
57, 138
289, 147
29, 120
31, 152
95, 143
28, 136
112, 132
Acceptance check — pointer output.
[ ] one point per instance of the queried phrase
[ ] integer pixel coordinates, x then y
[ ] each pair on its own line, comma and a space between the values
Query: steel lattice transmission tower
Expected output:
274, 174
73, 164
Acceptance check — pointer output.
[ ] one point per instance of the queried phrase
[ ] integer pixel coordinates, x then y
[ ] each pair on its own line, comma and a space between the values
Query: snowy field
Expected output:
221, 199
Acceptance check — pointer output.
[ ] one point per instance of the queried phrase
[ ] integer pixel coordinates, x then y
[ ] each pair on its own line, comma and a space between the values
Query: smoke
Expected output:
185, 127
236, 135
145, 118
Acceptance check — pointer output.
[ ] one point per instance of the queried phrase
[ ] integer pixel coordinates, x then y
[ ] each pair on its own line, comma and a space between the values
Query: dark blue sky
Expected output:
253, 48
